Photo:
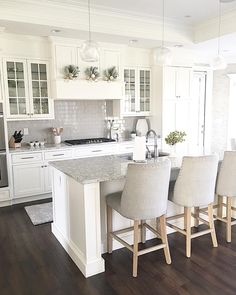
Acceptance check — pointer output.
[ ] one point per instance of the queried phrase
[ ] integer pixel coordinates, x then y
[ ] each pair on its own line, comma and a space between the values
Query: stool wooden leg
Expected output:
164, 238
212, 226
185, 220
109, 230
196, 213
228, 218
220, 206
187, 217
143, 231
135, 249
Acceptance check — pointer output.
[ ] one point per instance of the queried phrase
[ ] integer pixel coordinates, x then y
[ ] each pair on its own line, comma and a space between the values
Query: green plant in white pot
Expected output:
175, 137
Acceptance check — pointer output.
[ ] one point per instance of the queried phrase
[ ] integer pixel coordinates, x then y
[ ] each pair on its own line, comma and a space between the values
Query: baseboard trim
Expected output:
88, 269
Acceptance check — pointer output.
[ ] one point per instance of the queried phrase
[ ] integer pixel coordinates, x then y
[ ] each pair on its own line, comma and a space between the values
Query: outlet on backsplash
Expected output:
26, 131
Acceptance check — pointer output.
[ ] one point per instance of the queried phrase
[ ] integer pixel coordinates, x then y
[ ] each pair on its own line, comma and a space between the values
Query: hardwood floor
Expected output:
33, 262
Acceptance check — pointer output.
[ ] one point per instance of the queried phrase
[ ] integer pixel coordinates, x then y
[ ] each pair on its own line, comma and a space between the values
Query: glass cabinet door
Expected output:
144, 90
39, 88
16, 88
130, 90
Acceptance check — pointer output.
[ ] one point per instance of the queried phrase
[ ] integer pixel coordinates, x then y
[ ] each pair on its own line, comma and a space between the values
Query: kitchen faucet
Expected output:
151, 131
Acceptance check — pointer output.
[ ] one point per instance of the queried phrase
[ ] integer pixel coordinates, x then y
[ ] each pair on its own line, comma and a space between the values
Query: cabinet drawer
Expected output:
59, 154
26, 158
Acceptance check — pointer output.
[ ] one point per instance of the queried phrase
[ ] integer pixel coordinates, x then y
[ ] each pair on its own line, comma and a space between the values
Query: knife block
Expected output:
13, 144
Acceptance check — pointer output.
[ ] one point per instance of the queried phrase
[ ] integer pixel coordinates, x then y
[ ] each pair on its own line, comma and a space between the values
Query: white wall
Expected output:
220, 109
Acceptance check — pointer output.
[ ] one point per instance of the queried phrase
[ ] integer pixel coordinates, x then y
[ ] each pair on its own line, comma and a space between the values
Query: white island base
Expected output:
79, 219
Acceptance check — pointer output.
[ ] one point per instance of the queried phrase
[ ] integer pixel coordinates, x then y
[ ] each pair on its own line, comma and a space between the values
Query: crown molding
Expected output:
104, 22
209, 29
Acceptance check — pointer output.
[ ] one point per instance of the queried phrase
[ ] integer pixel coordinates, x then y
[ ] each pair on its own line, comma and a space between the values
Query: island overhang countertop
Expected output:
98, 169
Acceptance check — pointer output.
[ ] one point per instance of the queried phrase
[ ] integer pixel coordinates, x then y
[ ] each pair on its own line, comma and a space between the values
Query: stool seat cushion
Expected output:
114, 201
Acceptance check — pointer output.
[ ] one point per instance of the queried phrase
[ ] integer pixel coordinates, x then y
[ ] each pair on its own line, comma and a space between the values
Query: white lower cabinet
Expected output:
47, 178
28, 180
32, 173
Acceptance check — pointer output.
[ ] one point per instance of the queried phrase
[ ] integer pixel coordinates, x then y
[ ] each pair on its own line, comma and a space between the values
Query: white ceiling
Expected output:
199, 10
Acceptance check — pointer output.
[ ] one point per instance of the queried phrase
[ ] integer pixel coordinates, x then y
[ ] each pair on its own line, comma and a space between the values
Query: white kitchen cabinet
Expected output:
28, 180
47, 170
27, 89
177, 82
137, 98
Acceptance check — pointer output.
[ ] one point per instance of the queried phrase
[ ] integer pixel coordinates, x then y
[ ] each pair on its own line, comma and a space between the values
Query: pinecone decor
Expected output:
71, 72
111, 74
92, 73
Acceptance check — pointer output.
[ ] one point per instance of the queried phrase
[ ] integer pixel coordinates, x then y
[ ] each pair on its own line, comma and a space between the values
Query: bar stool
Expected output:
195, 187
144, 197
226, 187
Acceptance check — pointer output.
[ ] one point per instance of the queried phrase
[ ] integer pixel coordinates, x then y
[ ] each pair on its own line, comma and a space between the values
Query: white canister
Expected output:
57, 139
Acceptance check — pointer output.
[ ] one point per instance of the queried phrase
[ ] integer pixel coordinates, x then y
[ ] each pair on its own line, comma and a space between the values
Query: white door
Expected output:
198, 112
28, 180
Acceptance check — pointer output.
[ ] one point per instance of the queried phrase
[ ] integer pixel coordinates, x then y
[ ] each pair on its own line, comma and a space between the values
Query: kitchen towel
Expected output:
139, 154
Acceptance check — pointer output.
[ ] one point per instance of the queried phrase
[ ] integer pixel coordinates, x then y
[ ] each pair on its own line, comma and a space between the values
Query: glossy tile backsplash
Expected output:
80, 119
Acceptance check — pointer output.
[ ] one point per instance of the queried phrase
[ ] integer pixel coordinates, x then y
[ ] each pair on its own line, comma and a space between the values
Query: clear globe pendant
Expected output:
219, 63
89, 51
162, 56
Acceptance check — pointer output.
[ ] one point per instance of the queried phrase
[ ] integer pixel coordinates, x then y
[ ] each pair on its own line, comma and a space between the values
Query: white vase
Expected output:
57, 139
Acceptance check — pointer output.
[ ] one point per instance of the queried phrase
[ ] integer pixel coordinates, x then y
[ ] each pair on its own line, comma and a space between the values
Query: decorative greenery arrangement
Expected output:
92, 73
111, 74
175, 137
71, 72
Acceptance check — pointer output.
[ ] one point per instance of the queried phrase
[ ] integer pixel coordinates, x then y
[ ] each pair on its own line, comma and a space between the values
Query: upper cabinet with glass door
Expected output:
27, 89
16, 88
137, 99
39, 89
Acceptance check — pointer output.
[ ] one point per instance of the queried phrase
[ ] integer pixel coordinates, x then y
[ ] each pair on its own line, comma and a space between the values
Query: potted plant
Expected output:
175, 137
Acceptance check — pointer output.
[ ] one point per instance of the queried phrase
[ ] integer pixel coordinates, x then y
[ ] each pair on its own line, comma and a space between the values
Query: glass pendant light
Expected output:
219, 63
89, 49
162, 55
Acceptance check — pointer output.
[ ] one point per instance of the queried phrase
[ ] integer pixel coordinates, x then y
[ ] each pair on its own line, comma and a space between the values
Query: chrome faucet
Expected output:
151, 131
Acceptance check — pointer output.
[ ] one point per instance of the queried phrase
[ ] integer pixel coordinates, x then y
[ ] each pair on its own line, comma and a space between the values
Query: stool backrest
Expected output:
146, 190
195, 185
226, 182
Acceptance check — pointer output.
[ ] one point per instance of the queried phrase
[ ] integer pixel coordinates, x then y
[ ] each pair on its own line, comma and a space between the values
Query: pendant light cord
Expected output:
219, 28
89, 12
163, 22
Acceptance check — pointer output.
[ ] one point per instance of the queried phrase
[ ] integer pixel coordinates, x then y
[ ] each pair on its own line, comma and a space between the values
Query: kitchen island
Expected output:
79, 207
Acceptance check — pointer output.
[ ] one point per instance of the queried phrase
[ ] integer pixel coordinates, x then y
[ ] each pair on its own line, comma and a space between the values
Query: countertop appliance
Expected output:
88, 141
3, 156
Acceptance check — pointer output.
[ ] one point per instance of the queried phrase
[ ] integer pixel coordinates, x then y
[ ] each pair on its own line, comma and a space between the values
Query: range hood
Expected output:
87, 90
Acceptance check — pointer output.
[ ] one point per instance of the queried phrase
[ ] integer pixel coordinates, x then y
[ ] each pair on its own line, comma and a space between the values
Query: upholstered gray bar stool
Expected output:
194, 188
226, 188
144, 197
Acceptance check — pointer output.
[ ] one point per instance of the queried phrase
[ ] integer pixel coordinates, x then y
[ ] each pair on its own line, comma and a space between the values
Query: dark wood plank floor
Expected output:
33, 262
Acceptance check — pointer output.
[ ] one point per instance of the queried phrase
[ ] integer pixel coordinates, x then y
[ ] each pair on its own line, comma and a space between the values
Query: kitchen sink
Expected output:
130, 156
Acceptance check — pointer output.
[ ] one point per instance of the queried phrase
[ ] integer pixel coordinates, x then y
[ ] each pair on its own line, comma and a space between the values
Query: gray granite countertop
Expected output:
95, 169
27, 148
98, 169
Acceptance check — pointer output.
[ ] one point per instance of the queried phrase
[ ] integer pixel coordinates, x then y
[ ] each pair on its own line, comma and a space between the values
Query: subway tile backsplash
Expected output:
80, 119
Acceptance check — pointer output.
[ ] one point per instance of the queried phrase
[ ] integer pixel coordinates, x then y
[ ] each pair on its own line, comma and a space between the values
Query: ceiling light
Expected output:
89, 50
219, 63
187, 16
133, 41
162, 55
55, 31
178, 45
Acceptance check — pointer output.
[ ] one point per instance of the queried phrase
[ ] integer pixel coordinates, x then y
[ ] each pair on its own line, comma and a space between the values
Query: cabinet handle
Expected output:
26, 158
57, 155
28, 114
96, 151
